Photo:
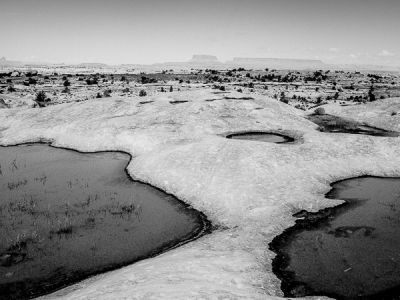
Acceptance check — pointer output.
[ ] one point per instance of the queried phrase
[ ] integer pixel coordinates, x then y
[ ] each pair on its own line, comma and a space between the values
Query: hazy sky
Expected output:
147, 31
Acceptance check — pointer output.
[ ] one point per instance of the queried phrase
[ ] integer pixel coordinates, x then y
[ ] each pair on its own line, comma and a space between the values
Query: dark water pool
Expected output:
66, 215
351, 251
261, 137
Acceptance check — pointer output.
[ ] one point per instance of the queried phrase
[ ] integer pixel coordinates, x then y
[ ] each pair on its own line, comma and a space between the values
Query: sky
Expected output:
151, 31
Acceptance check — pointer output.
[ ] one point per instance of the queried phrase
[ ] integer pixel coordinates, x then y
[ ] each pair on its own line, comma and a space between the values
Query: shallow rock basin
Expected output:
261, 137
66, 215
351, 251
335, 124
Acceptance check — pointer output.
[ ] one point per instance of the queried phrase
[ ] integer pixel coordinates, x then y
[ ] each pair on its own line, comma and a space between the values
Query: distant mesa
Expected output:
202, 58
5, 62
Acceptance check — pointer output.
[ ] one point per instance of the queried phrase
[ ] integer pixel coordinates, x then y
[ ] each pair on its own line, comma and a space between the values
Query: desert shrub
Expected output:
371, 95
336, 96
65, 90
32, 80
145, 80
107, 93
92, 80
40, 96
319, 111
142, 93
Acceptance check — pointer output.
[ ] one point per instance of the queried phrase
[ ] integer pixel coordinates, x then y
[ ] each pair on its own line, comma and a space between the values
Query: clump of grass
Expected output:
64, 228
41, 179
13, 165
13, 185
21, 241
128, 209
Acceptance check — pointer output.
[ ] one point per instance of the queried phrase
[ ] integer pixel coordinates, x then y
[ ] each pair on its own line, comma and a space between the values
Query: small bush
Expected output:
41, 99
91, 81
32, 80
319, 111
142, 93
40, 96
145, 80
107, 93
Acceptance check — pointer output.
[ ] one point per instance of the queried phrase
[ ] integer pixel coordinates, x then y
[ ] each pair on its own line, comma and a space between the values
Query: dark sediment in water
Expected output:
261, 137
351, 251
330, 123
67, 215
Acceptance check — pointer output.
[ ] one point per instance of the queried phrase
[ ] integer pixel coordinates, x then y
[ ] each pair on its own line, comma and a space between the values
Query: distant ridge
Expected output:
277, 62
92, 65
204, 61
